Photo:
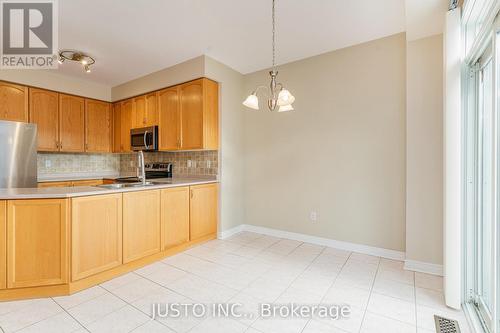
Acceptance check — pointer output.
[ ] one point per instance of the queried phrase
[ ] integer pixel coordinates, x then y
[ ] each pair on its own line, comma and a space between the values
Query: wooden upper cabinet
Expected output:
151, 114
145, 110
98, 137
13, 102
169, 119
44, 111
117, 128
71, 123
203, 210
141, 224
3, 244
139, 113
126, 113
37, 241
96, 231
199, 101
191, 99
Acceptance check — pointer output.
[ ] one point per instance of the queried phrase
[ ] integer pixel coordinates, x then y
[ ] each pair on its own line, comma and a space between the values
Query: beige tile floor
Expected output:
249, 269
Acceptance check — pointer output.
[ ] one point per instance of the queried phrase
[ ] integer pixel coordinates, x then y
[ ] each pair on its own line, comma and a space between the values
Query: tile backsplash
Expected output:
58, 163
202, 163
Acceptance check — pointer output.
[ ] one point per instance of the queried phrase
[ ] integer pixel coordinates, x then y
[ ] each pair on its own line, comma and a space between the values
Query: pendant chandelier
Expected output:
277, 96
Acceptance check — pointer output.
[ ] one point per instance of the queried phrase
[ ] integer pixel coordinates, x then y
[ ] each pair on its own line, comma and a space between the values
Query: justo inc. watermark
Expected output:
237, 310
29, 31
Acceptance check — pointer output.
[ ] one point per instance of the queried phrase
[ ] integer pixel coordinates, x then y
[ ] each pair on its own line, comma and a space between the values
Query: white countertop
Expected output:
81, 191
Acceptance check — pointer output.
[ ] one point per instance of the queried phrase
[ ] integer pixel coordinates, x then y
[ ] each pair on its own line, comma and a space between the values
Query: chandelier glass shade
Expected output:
277, 96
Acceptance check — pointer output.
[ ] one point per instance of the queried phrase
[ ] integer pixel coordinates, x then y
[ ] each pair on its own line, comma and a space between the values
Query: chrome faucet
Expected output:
141, 169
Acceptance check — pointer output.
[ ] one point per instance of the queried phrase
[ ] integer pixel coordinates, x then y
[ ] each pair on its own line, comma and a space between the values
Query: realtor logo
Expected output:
29, 34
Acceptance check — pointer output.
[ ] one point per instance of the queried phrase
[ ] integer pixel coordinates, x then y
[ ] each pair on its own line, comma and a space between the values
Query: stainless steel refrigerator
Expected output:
18, 159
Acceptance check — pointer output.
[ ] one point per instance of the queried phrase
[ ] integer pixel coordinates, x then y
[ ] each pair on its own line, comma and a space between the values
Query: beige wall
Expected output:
185, 71
341, 153
424, 126
50, 80
231, 142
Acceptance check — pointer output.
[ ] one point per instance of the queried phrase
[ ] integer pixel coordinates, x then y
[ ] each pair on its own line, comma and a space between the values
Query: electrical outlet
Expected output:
313, 216
48, 163
189, 163
132, 163
209, 164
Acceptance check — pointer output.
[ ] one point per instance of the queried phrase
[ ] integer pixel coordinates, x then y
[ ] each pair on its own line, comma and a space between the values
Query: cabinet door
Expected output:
117, 128
98, 127
203, 210
141, 224
169, 119
191, 100
71, 123
139, 112
96, 229
54, 184
88, 182
151, 114
44, 112
37, 243
127, 112
13, 102
3, 244
174, 216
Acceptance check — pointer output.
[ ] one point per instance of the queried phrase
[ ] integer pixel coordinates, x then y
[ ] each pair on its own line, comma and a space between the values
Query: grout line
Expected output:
369, 296
69, 314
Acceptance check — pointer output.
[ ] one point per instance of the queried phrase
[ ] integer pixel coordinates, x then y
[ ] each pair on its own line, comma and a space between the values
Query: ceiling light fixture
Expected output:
84, 59
278, 96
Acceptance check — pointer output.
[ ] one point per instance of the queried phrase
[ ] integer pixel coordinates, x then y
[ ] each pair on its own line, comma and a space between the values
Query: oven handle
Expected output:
146, 140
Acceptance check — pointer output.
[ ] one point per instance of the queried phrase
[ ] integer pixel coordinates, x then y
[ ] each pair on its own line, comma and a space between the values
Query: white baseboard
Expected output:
230, 232
347, 246
423, 267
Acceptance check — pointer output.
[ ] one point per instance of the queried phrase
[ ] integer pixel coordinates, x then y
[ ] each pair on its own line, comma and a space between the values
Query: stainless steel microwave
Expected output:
145, 139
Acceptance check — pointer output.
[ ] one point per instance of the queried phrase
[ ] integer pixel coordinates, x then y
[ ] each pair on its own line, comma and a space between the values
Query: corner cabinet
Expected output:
98, 127
13, 102
141, 224
37, 242
96, 242
204, 210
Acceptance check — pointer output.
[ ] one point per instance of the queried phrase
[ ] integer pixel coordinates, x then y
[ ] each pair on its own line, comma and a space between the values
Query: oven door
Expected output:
144, 138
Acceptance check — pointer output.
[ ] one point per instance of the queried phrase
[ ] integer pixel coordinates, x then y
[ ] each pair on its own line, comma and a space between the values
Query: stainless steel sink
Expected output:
111, 186
125, 185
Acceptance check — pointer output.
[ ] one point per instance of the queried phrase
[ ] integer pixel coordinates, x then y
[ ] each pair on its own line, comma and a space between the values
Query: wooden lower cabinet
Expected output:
141, 224
37, 242
203, 210
96, 241
54, 184
174, 216
3, 244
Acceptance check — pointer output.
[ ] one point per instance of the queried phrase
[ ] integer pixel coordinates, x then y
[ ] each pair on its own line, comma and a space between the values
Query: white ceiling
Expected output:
130, 39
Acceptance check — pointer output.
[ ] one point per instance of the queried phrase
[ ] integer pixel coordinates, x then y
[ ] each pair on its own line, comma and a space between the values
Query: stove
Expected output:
153, 171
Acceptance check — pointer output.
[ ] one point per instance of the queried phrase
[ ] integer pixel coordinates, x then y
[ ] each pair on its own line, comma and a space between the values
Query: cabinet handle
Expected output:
191, 194
60, 145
